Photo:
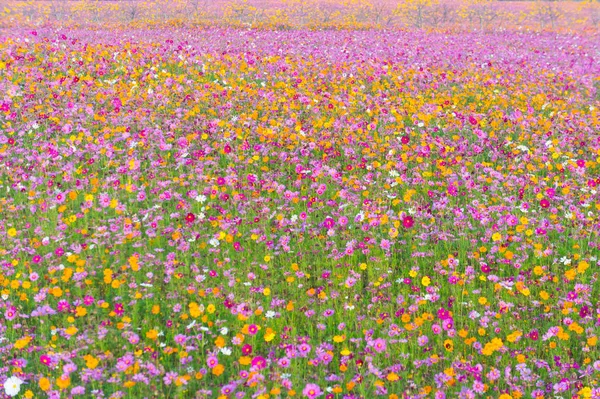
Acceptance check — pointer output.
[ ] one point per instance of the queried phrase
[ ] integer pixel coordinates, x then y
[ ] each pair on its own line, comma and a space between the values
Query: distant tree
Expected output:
480, 13
415, 12
547, 13
442, 13
591, 10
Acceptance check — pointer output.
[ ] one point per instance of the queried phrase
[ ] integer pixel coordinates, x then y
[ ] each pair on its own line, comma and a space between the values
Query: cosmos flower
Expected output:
12, 386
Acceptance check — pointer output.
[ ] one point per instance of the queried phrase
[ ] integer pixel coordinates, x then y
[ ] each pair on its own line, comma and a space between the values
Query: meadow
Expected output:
221, 210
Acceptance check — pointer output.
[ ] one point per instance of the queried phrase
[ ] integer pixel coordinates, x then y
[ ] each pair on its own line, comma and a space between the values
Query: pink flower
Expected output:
385, 244
379, 345
312, 391
10, 313
259, 362
212, 361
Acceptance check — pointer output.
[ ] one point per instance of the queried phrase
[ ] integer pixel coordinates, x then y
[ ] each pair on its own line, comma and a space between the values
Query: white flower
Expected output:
226, 351
294, 218
224, 331
270, 314
201, 198
192, 324
12, 386
214, 242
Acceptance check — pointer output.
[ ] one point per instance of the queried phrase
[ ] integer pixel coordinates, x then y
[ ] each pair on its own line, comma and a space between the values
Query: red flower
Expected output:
190, 217
544, 203
408, 222
405, 139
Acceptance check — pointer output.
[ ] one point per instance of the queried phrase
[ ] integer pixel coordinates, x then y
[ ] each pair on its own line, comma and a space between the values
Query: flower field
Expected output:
223, 212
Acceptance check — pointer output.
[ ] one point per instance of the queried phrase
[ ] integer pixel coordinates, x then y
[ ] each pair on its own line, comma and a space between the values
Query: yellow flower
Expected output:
44, 384
449, 345
71, 330
91, 362
23, 342
63, 383
582, 266
496, 237
11, 232
245, 360
220, 342
269, 335
585, 392
339, 338
425, 281
152, 334
218, 369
